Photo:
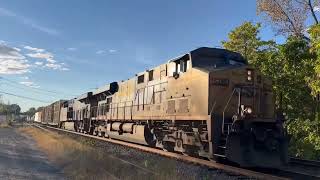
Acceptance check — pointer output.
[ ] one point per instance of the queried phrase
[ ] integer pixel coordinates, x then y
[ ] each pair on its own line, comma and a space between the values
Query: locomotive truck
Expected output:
207, 103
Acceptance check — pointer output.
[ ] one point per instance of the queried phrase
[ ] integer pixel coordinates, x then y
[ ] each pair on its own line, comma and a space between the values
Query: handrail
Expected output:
213, 106
226, 108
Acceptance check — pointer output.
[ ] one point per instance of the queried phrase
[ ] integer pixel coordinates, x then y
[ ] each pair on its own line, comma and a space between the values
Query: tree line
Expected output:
15, 109
293, 66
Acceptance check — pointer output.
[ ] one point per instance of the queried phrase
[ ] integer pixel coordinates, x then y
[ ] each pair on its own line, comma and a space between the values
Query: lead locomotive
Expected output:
208, 103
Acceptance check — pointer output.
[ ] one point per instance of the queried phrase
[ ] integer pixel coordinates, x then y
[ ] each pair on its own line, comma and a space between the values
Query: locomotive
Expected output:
207, 103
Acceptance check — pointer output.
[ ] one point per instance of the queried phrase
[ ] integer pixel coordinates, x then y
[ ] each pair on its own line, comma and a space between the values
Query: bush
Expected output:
305, 141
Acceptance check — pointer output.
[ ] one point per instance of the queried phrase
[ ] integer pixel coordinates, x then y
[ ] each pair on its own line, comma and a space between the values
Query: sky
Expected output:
59, 49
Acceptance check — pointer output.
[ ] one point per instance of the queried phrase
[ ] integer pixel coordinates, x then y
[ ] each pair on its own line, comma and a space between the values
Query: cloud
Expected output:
38, 63
100, 52
43, 54
111, 51
65, 69
29, 22
316, 8
11, 61
34, 49
40, 55
50, 60
57, 66
30, 84
72, 49
17, 49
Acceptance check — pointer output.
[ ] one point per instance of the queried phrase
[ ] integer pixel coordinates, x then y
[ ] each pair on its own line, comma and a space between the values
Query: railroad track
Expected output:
301, 169
188, 159
297, 169
305, 162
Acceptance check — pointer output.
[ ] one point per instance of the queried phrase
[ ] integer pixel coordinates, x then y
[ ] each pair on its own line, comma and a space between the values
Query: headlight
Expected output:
249, 72
249, 78
249, 110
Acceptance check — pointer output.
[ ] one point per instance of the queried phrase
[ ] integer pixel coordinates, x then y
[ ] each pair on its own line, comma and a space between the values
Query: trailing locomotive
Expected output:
207, 103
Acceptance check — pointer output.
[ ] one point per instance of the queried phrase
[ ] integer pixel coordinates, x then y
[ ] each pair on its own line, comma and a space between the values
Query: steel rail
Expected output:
302, 168
305, 162
189, 159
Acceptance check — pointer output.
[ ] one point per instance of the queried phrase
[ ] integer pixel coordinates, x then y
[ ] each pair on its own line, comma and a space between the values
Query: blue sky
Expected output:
73, 46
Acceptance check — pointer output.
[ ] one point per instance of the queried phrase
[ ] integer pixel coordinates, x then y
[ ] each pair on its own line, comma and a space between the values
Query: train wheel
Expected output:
95, 133
102, 134
168, 146
190, 151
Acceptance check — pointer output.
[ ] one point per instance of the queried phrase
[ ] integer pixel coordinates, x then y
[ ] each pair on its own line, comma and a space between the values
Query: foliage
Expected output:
295, 63
305, 141
30, 112
314, 81
244, 40
9, 109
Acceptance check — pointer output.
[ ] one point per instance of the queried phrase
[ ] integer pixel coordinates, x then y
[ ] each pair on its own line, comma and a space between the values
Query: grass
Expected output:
72, 156
80, 160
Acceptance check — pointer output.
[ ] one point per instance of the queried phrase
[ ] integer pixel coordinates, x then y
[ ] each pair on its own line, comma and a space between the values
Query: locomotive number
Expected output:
220, 82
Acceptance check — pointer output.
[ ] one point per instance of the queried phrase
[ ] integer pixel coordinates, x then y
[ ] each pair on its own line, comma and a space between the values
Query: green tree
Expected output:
244, 40
30, 112
10, 109
3, 109
297, 64
314, 81
14, 109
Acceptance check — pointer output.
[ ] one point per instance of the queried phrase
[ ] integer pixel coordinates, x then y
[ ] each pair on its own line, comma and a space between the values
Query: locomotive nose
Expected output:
254, 94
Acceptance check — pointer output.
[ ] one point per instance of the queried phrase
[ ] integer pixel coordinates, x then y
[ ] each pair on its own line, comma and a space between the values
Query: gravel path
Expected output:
20, 158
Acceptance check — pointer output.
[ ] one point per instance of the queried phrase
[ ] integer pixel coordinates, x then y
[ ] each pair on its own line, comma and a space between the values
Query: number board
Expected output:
220, 82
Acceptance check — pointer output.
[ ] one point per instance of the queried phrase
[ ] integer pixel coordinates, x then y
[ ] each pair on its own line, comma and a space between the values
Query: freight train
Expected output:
207, 103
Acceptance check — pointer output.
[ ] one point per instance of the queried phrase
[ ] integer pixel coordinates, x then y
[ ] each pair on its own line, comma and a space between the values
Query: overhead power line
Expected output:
24, 97
31, 90
35, 88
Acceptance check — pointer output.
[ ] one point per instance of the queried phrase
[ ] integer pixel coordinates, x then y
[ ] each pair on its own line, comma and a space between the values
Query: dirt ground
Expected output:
20, 158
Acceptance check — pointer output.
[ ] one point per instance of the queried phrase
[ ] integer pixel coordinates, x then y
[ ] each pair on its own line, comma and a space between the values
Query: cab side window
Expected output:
178, 66
151, 75
109, 101
182, 65
140, 79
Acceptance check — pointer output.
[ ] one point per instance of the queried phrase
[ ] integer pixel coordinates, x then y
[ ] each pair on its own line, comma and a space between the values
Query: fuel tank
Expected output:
130, 132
